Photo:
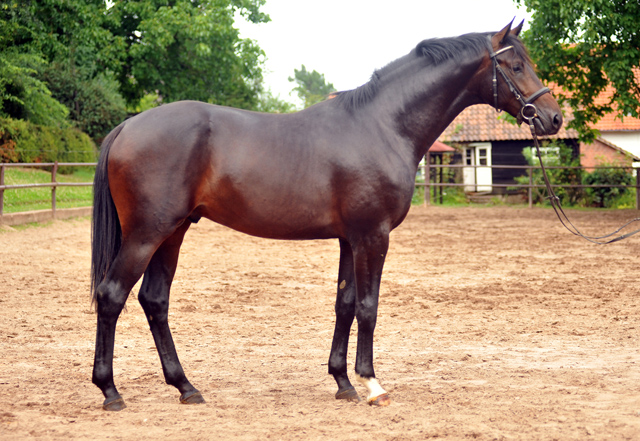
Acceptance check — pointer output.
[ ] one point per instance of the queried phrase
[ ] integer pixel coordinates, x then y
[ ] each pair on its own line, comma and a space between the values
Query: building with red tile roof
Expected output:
480, 132
482, 123
619, 133
620, 130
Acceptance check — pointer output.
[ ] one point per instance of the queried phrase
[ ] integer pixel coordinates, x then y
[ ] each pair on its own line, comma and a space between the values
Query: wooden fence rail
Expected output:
427, 169
53, 184
427, 184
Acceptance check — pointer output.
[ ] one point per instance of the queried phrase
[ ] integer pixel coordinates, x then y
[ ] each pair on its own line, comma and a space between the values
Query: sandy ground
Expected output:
494, 324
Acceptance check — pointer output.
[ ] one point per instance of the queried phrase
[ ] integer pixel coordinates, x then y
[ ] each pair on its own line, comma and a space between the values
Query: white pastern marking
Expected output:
372, 385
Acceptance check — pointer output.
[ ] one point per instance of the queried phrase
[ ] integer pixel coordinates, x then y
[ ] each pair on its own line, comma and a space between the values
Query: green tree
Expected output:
312, 86
608, 197
23, 95
562, 169
269, 103
94, 102
188, 49
584, 46
60, 53
88, 54
82, 54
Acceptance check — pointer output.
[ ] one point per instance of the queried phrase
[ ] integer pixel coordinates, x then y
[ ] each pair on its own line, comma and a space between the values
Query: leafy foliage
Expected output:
95, 104
584, 46
87, 61
22, 94
608, 197
312, 86
273, 104
187, 49
58, 52
23, 141
560, 162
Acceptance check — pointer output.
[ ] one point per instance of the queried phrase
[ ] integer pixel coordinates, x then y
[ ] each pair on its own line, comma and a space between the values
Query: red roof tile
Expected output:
439, 147
615, 121
483, 123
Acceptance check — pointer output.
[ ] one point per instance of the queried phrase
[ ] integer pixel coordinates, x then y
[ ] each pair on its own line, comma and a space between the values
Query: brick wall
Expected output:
600, 153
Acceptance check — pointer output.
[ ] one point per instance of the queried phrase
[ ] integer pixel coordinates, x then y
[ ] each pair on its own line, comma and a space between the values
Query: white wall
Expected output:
629, 141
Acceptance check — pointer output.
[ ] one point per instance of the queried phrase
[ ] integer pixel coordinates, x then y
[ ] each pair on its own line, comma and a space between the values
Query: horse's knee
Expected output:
345, 314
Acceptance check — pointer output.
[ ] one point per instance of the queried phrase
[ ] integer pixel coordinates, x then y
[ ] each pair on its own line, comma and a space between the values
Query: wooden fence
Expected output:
530, 186
54, 184
427, 172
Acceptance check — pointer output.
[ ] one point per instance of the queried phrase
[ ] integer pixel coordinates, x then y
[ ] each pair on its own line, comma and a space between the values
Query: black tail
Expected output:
105, 228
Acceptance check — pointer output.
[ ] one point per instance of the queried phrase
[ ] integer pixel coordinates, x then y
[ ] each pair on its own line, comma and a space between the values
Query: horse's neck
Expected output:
424, 109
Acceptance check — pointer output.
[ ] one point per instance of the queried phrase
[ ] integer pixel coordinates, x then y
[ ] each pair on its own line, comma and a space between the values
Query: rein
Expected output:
529, 113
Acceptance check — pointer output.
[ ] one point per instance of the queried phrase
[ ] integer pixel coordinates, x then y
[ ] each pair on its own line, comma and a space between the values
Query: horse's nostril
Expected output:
557, 120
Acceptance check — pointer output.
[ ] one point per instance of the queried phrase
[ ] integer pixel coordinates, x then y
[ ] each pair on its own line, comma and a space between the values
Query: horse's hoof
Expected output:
193, 397
348, 394
380, 401
114, 405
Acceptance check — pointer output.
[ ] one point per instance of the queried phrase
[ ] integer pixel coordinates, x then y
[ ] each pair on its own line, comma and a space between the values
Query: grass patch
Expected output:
28, 199
451, 196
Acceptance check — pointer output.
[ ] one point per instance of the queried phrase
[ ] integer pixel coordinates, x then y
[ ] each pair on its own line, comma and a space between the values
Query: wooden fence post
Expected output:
427, 179
530, 192
53, 189
637, 189
1, 189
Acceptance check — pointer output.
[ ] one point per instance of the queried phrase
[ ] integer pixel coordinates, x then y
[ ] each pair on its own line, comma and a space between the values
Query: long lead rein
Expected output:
555, 201
529, 113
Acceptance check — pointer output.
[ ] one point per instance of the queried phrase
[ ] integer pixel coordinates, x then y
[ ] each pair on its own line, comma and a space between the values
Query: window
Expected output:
482, 157
468, 157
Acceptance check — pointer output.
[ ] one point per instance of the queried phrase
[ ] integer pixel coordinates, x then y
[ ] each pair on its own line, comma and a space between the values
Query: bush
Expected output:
95, 105
608, 197
554, 156
22, 141
22, 94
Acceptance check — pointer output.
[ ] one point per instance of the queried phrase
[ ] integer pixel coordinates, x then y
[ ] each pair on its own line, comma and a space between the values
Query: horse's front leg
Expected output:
345, 313
369, 255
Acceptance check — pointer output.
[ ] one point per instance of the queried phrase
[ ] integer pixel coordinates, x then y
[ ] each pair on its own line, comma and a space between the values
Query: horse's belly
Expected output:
275, 216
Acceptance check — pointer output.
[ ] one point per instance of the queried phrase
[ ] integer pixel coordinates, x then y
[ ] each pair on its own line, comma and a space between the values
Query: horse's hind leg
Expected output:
154, 298
345, 313
111, 296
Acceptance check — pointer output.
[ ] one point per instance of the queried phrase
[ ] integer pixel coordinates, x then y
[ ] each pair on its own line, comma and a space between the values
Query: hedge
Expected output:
22, 141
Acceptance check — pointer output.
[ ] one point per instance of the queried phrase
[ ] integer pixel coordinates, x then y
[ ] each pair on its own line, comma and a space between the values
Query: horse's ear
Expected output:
517, 29
499, 38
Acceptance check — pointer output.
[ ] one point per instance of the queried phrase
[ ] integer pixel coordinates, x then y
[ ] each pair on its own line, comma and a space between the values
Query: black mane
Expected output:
437, 51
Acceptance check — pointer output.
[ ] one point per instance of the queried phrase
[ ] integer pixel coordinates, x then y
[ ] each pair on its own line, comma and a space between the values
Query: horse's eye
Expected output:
517, 68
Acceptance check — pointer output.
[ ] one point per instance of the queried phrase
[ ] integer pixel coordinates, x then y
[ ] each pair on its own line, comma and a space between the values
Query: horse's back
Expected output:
253, 172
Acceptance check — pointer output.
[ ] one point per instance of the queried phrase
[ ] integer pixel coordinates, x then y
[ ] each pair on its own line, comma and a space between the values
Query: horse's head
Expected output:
515, 86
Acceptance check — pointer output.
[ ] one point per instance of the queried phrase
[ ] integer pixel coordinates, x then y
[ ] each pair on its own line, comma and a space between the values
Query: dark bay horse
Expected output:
344, 169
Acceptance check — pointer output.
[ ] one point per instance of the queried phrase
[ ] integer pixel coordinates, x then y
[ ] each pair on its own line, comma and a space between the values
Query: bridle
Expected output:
529, 112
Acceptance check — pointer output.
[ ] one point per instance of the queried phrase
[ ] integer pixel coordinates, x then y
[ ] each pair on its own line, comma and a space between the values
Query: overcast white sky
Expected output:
346, 40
